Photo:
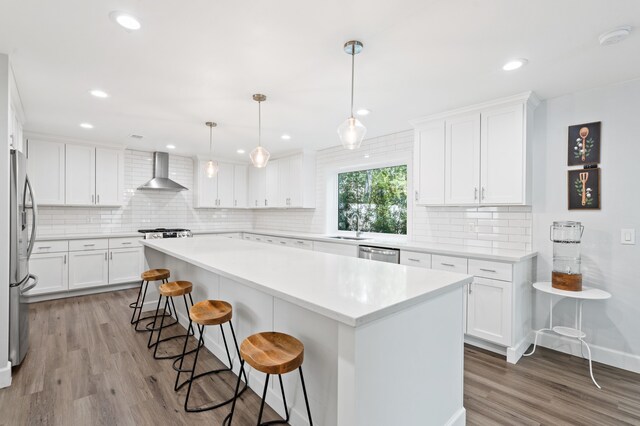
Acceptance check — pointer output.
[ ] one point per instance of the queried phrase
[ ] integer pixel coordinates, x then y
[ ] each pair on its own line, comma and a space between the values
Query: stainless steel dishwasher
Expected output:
380, 254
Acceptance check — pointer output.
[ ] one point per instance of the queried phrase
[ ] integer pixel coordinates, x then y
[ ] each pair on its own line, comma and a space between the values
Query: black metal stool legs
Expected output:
139, 304
229, 418
134, 305
186, 336
195, 376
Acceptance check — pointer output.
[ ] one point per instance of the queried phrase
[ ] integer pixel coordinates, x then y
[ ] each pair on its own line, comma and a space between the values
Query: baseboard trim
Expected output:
82, 292
514, 353
458, 419
608, 356
5, 375
483, 344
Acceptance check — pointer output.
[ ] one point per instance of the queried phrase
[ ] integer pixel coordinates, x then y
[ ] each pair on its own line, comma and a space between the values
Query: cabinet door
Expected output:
80, 175
296, 182
225, 185
272, 187
206, 187
489, 310
88, 269
46, 169
52, 271
429, 160
284, 183
258, 186
462, 160
109, 177
239, 186
502, 165
125, 265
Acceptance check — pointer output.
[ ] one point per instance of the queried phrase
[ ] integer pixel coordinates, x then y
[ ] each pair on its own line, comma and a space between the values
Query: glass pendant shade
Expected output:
259, 157
211, 169
351, 133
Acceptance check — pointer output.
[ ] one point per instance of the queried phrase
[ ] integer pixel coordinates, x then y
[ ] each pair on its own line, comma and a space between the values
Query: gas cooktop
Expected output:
165, 233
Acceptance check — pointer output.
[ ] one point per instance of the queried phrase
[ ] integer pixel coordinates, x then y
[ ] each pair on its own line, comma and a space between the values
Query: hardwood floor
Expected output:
86, 366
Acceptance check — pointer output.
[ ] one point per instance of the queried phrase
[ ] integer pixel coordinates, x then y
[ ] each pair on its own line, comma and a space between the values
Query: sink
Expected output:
340, 237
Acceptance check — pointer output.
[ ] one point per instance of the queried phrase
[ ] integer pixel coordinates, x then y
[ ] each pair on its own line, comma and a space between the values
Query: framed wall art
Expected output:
584, 144
584, 189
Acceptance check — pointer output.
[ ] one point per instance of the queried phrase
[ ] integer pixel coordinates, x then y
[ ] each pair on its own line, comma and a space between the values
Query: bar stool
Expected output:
147, 276
272, 353
169, 291
205, 313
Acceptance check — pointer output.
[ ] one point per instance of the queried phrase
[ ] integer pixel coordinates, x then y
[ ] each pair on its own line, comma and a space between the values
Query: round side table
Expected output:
575, 332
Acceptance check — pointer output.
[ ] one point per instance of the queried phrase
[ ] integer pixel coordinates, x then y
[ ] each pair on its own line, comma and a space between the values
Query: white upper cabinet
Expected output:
225, 184
462, 159
80, 175
46, 169
272, 191
503, 159
257, 187
429, 163
477, 155
240, 186
109, 177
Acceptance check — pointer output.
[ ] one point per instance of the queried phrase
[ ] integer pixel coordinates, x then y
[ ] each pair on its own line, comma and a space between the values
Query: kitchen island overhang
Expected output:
383, 342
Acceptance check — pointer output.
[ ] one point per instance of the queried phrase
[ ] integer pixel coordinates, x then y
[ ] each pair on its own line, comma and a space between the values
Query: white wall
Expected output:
144, 209
612, 326
5, 369
491, 227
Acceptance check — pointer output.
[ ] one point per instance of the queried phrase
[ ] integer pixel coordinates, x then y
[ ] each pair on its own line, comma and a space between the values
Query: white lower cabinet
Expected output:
88, 269
52, 270
125, 265
489, 310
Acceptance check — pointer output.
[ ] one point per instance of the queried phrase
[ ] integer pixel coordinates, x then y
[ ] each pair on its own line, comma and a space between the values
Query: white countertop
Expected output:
498, 255
350, 290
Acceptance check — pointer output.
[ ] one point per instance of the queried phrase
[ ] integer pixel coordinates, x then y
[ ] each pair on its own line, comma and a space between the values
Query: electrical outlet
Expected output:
628, 236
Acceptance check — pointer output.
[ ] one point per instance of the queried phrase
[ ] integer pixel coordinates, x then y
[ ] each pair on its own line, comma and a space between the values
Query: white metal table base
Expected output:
573, 333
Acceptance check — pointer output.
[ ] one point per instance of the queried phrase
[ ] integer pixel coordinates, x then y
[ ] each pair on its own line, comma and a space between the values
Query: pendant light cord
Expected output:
353, 63
210, 140
259, 124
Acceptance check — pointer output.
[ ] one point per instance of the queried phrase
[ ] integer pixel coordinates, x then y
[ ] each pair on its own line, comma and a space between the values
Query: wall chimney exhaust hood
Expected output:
161, 179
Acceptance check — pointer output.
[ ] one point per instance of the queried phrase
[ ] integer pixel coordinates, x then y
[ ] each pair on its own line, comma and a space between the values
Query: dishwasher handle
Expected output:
375, 250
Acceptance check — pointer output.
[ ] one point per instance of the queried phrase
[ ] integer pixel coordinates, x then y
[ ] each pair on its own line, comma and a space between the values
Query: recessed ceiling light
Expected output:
363, 112
285, 137
614, 36
99, 93
366, 156
86, 125
171, 147
514, 64
125, 20
240, 151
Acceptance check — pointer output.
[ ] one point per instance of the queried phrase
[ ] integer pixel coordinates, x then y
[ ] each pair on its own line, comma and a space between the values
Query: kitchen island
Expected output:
383, 342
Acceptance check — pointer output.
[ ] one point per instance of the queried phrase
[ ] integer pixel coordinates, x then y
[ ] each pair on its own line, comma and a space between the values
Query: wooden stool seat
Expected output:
155, 275
272, 352
210, 312
175, 288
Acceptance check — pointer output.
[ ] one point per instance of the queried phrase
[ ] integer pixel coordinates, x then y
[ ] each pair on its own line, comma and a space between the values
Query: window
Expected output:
373, 200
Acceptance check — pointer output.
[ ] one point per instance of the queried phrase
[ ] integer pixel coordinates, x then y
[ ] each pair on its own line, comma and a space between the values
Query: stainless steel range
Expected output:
152, 234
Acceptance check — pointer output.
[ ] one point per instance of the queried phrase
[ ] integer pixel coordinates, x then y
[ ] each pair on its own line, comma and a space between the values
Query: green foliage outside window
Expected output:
376, 198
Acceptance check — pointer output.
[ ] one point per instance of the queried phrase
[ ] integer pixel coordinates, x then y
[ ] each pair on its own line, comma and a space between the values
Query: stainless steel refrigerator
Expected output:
22, 236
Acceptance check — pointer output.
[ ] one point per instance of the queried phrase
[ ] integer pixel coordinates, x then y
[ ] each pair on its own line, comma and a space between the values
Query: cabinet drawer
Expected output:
124, 242
92, 244
449, 263
50, 246
414, 258
301, 244
495, 270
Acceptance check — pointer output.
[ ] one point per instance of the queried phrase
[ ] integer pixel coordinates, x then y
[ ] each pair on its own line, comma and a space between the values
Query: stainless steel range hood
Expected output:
161, 179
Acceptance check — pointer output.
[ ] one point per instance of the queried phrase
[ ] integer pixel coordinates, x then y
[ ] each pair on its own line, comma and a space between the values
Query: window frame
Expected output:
332, 207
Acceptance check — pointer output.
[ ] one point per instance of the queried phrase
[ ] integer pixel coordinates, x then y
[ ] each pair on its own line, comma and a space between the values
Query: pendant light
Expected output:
259, 156
211, 168
352, 132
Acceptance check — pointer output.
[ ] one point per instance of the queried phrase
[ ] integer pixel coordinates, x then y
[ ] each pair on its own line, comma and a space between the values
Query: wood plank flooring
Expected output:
86, 366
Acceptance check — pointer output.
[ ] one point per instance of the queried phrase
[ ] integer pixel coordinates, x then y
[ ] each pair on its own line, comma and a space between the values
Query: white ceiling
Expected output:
201, 60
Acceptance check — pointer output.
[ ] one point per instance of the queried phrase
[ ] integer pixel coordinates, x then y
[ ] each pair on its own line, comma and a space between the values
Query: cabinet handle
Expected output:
469, 288
416, 195
448, 264
65, 259
475, 194
488, 270
89, 245
44, 247
126, 243
413, 260
98, 199
111, 256
299, 242
93, 199
105, 256
256, 203
265, 202
283, 242
483, 194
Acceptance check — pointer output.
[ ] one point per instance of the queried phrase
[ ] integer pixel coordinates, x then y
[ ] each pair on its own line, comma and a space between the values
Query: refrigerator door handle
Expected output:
34, 215
30, 286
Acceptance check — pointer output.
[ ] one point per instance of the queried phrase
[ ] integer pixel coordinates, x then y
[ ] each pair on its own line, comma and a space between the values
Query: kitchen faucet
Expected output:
356, 215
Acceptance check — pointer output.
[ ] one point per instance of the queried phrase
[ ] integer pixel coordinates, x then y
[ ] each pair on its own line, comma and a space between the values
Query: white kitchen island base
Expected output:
403, 368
